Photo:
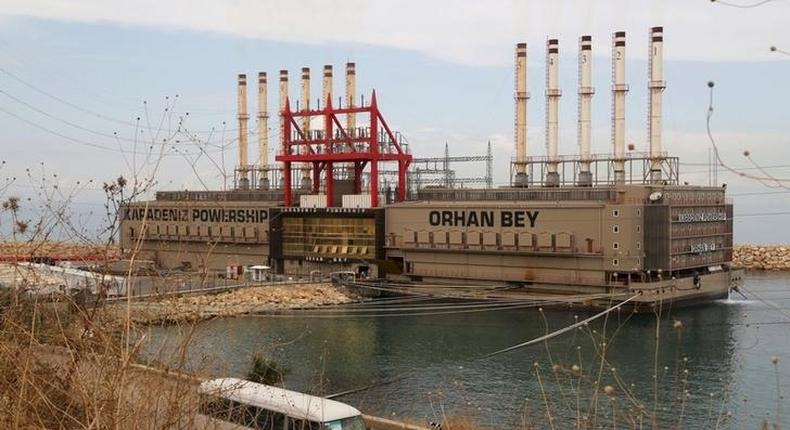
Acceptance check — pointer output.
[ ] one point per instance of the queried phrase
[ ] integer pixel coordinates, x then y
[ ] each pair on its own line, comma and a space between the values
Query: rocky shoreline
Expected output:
243, 301
761, 257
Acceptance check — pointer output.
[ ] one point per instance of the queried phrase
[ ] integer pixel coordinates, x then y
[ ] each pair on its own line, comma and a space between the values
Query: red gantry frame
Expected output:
337, 145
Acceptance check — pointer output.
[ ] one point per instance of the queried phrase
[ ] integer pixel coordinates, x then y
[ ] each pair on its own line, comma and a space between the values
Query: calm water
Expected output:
433, 364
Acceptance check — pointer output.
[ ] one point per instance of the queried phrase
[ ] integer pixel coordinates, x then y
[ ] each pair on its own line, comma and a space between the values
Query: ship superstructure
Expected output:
585, 223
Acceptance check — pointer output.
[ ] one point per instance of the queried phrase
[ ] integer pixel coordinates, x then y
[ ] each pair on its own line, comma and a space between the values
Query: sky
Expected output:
76, 76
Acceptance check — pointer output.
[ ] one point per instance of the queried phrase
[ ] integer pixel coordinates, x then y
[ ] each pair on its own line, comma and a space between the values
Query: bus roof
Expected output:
291, 403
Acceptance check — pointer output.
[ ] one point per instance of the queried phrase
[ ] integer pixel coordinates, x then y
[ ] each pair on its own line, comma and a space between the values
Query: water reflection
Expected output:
432, 364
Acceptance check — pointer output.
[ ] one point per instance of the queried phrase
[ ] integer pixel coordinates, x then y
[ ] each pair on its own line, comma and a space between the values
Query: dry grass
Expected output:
63, 365
461, 423
52, 248
61, 368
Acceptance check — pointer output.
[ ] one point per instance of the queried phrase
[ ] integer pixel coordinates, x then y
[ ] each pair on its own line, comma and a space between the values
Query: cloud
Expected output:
467, 32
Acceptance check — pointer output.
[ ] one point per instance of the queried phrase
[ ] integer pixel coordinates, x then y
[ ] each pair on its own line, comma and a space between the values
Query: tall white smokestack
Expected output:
283, 102
553, 94
326, 95
244, 182
351, 95
586, 92
306, 171
522, 178
619, 90
351, 118
656, 87
263, 133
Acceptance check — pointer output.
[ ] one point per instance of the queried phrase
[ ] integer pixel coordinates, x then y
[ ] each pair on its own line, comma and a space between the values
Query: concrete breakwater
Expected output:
248, 300
761, 257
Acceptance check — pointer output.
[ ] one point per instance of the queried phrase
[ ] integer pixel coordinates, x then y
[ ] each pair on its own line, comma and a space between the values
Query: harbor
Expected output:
422, 216
424, 368
619, 224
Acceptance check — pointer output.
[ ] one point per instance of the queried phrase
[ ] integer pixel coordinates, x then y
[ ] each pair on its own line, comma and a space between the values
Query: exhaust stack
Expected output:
306, 171
553, 94
619, 90
351, 94
586, 92
351, 121
283, 104
263, 133
522, 178
244, 182
656, 87
327, 85
326, 99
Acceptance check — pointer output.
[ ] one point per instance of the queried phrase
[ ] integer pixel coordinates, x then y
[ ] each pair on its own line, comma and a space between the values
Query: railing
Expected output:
148, 235
638, 169
231, 195
699, 230
606, 194
631, 155
684, 261
533, 247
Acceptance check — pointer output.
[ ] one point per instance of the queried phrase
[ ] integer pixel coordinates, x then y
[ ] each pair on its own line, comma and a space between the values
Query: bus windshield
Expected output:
352, 423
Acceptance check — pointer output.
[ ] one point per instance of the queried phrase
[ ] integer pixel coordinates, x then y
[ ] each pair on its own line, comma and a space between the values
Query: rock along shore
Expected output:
243, 301
761, 257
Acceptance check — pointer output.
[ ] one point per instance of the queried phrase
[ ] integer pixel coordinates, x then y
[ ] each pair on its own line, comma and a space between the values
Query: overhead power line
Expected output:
86, 110
743, 5
767, 180
765, 214
775, 166
72, 124
136, 140
89, 143
759, 193
169, 141
61, 135
779, 51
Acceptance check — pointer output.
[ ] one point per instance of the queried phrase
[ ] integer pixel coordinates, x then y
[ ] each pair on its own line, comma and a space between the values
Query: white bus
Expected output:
231, 403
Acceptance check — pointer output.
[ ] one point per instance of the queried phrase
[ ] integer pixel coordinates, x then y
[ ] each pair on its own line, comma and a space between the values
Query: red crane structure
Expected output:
335, 144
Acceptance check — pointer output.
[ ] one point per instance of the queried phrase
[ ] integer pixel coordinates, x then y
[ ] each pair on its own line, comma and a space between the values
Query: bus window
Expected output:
235, 413
249, 416
352, 423
295, 424
215, 407
268, 420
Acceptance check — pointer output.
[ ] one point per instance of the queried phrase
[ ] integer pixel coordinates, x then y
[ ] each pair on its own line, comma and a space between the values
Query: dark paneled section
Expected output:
380, 227
657, 237
276, 216
276, 234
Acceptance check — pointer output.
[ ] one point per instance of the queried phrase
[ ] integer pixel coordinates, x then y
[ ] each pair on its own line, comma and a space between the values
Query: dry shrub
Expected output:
62, 367
461, 423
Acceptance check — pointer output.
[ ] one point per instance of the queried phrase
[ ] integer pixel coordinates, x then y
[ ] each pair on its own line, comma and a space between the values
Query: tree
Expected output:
266, 371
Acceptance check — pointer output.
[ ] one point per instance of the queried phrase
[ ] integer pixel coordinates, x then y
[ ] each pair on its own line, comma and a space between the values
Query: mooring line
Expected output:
769, 304
414, 373
427, 310
417, 313
408, 291
413, 292
562, 330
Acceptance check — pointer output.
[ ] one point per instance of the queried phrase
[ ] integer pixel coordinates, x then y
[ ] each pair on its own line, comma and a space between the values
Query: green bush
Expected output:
266, 371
